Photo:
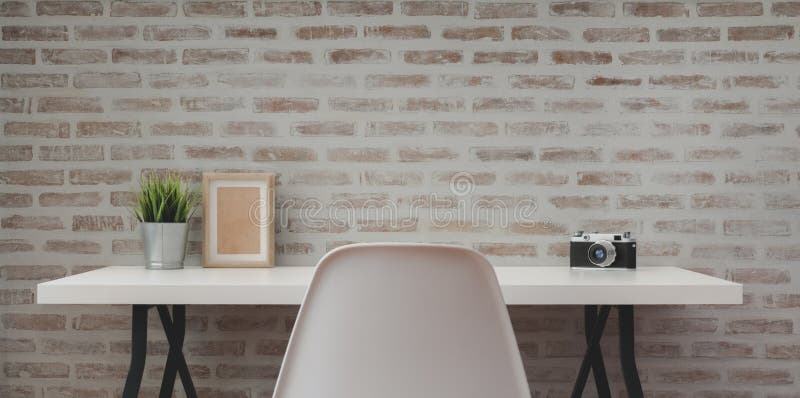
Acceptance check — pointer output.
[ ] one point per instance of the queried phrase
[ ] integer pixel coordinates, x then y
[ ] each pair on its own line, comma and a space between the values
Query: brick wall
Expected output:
676, 121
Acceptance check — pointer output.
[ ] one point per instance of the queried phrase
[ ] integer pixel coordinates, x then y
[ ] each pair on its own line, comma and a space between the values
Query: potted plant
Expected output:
163, 208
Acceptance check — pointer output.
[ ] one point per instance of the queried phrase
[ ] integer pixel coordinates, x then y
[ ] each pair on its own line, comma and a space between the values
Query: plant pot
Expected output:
164, 244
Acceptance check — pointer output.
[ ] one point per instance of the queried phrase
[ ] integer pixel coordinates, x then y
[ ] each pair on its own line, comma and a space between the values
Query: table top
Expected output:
520, 285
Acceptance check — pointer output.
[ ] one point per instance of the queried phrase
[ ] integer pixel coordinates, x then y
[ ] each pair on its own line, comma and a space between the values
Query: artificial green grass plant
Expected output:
164, 199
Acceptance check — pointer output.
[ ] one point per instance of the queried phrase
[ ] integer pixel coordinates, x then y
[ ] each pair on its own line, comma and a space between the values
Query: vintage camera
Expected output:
602, 251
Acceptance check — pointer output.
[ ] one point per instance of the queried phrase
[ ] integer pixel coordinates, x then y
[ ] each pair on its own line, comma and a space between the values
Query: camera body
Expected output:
602, 251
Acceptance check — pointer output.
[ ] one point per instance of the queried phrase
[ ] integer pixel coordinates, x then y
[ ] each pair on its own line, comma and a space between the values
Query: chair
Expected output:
397, 320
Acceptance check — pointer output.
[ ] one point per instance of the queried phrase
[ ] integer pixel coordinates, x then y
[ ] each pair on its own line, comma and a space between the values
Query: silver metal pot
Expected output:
164, 244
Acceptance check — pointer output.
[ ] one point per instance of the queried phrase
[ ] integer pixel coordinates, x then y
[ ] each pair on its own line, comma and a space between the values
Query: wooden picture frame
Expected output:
238, 220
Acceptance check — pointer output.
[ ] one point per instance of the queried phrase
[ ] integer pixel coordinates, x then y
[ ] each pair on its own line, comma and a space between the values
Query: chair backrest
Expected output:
397, 320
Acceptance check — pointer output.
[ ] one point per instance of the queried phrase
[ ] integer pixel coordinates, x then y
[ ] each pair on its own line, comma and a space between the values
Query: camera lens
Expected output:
599, 254
602, 253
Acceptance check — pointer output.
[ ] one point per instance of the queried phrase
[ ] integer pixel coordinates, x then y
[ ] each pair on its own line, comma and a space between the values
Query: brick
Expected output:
177, 80
783, 351
489, 10
469, 129
41, 223
729, 252
97, 223
391, 178
397, 32
650, 201
251, 80
614, 178
176, 32
782, 301
502, 154
552, 129
718, 105
106, 32
611, 129
69, 8
612, 35
582, 9
358, 154
754, 81
709, 154
774, 57
77, 199
541, 33
538, 228
108, 129
610, 225
211, 104
655, 9
143, 9
432, 57
15, 200
141, 152
739, 130
215, 56
391, 129
107, 80
359, 8
652, 57
721, 201
504, 104
322, 129
649, 105
13, 105
75, 347
268, 8
148, 104
284, 105
70, 56
19, 56
327, 32
558, 82
68, 153
419, 154
505, 57
32, 177
33, 80
250, 32
644, 155
100, 371
15, 246
72, 246
761, 177
424, 104
580, 57
603, 81
15, 9
760, 276
562, 154
433, 8
477, 178
70, 105
781, 105
491, 33
680, 129
283, 153
711, 57
744, 33
127, 246
506, 249
759, 326
730, 9
579, 202
99, 176
248, 129
687, 376
357, 56
16, 153
780, 154
783, 253
213, 152
34, 33
786, 9
681, 326
690, 34
257, 372
397, 81
321, 178
285, 57
658, 249
17, 345
225, 9
135, 56
690, 226
465, 81
684, 178
574, 105
36, 370
33, 322
345, 104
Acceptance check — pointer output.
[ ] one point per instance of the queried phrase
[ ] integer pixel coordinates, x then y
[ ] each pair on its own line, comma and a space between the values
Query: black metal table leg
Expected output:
138, 351
590, 356
598, 367
627, 354
175, 329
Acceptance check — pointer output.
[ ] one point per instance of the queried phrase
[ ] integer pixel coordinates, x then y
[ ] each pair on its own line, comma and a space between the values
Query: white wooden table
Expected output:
596, 290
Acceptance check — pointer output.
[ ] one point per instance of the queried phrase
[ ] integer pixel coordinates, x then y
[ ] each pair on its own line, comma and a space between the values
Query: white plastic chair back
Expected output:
395, 320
